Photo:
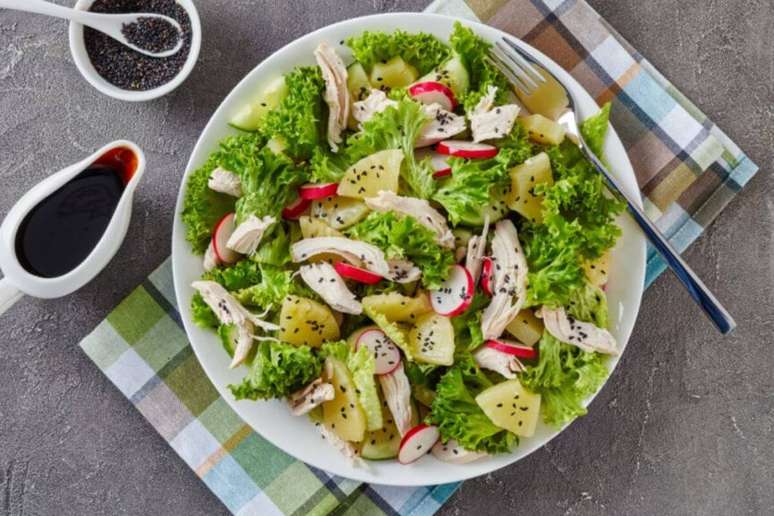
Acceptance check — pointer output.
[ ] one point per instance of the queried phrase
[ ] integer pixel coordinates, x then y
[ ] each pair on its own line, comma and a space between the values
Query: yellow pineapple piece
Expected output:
509, 405
395, 73
370, 175
359, 88
598, 270
339, 212
343, 415
304, 321
527, 328
313, 227
432, 340
397, 307
522, 198
549, 99
542, 130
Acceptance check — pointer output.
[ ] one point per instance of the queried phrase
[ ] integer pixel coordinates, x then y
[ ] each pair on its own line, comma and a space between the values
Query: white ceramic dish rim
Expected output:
272, 420
84, 65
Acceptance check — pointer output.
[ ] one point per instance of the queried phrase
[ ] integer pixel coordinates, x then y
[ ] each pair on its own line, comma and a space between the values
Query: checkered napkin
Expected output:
687, 169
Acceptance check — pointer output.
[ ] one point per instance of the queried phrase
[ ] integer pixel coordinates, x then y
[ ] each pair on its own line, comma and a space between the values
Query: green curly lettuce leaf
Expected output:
202, 314
275, 285
202, 207
469, 188
404, 237
275, 248
396, 333
278, 370
467, 326
297, 120
397, 127
458, 416
594, 130
241, 275
473, 50
269, 183
423, 51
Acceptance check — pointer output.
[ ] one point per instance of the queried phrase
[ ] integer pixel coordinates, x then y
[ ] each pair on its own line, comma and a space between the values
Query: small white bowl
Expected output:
82, 61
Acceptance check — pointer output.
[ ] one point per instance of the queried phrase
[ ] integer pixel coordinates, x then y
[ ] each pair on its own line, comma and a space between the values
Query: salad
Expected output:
407, 251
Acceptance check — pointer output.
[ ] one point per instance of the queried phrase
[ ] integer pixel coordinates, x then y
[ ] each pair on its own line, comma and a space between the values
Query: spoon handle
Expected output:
41, 7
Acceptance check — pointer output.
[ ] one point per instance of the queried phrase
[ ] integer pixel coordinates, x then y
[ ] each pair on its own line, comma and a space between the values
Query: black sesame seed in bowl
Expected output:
125, 74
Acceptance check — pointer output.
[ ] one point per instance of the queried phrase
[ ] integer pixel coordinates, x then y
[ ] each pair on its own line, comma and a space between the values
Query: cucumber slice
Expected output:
249, 117
453, 74
384, 444
228, 337
357, 82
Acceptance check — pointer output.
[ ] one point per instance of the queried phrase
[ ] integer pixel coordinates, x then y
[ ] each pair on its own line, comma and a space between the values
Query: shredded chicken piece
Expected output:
441, 125
584, 335
229, 311
376, 102
360, 254
325, 281
210, 258
397, 394
419, 209
488, 122
509, 280
346, 448
336, 93
313, 395
225, 181
247, 236
476, 249
403, 271
499, 362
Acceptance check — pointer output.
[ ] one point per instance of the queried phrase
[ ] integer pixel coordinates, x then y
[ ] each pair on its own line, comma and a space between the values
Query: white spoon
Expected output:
110, 24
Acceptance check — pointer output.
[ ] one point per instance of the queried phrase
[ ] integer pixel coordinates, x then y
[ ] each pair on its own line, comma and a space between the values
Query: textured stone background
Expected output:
683, 427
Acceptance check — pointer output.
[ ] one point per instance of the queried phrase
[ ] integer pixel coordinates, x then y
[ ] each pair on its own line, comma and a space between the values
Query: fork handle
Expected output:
696, 288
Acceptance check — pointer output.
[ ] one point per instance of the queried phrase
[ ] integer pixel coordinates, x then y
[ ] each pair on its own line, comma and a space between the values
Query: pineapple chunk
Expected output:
549, 99
510, 406
339, 212
312, 228
251, 116
527, 328
524, 178
343, 415
432, 340
372, 174
395, 73
359, 88
598, 270
397, 307
304, 321
543, 130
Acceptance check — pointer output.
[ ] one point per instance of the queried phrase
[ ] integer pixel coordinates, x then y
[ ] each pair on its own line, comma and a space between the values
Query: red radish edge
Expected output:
294, 210
434, 92
413, 432
390, 367
442, 173
356, 273
486, 275
464, 303
220, 235
311, 191
468, 150
511, 348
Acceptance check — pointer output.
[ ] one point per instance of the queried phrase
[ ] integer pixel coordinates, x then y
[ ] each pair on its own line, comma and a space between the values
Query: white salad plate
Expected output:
297, 436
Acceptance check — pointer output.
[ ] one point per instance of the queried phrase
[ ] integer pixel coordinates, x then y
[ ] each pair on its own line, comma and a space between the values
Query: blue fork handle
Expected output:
696, 288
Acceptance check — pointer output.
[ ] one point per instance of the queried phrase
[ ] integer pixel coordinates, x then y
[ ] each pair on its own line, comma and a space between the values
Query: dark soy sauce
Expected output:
61, 231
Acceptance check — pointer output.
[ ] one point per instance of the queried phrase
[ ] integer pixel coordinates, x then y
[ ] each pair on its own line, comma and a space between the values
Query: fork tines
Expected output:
517, 67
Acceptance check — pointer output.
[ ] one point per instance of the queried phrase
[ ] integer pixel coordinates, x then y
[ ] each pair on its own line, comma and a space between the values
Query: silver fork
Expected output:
522, 69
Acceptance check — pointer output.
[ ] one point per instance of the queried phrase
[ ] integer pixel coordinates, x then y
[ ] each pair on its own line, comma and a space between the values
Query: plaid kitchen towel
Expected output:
688, 171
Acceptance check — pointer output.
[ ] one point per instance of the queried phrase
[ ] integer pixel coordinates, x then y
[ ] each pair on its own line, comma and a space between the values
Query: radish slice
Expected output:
310, 191
437, 161
431, 92
417, 442
453, 453
466, 149
455, 294
295, 209
356, 273
512, 348
220, 235
487, 266
386, 354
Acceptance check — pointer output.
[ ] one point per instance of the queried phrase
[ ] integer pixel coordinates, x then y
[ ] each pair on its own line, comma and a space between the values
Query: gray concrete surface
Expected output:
683, 427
